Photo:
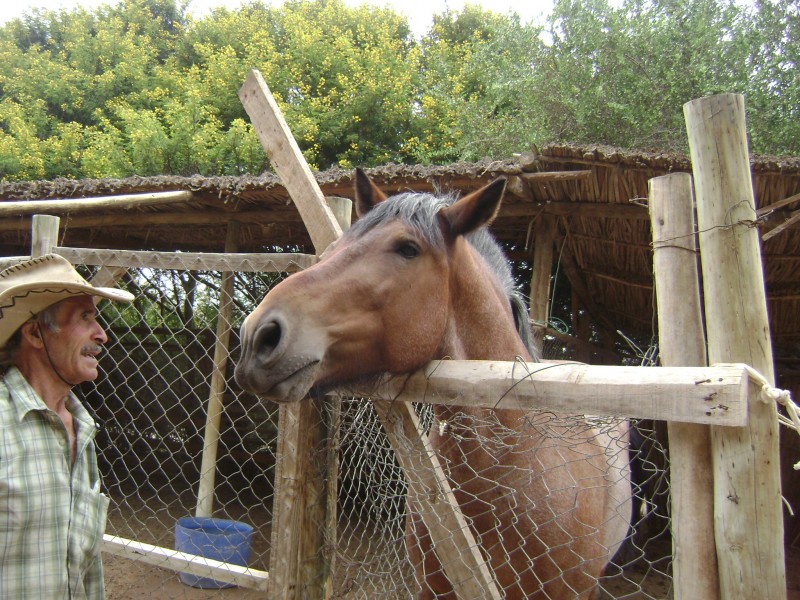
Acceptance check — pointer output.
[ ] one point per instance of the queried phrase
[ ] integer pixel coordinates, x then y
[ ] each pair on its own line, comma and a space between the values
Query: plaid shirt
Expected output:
52, 517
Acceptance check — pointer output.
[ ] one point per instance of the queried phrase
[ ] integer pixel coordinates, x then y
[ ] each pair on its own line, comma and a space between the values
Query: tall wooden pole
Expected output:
747, 491
208, 465
682, 343
44, 234
342, 209
544, 234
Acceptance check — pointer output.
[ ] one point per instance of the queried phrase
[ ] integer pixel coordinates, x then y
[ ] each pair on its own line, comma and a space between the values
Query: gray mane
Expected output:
418, 211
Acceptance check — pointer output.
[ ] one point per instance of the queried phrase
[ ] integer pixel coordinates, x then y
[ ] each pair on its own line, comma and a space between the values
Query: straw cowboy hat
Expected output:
29, 287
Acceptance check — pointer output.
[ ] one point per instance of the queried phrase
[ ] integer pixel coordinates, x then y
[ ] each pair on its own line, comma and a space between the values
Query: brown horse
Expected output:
419, 278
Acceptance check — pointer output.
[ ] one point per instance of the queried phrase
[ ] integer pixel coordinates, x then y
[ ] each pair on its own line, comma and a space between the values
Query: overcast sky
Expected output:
419, 12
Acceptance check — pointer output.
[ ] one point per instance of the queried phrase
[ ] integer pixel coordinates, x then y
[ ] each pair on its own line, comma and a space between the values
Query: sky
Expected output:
419, 12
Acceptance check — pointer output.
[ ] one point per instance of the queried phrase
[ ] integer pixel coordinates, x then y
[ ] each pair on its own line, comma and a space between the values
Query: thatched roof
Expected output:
598, 194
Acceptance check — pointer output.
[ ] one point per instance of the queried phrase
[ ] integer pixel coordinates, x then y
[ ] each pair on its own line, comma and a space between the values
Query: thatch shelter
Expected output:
597, 197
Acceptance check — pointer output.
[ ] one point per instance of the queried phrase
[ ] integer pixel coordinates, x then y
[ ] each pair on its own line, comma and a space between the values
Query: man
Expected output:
52, 513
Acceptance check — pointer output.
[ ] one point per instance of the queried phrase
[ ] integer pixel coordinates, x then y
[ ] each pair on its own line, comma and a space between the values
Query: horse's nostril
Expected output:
269, 336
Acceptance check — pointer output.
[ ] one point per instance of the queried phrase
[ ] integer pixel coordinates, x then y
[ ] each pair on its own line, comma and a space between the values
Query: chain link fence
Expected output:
151, 404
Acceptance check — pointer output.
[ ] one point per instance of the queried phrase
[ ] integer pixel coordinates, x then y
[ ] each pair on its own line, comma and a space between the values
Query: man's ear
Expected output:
31, 333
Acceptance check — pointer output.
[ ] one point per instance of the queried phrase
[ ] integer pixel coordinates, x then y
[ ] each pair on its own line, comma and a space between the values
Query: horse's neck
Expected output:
481, 327
481, 324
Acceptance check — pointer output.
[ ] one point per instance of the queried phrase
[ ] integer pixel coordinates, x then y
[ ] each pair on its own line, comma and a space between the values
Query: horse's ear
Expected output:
474, 210
367, 193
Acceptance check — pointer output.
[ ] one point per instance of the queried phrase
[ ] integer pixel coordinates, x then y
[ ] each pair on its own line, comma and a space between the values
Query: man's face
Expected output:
75, 346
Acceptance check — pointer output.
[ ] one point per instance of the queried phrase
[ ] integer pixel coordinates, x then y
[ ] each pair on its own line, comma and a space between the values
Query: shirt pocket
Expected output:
94, 524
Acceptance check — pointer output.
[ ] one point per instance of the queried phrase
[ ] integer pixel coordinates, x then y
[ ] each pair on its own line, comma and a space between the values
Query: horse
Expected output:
418, 277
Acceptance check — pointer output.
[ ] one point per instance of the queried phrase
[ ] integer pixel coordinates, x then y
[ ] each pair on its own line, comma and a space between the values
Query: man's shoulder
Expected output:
8, 382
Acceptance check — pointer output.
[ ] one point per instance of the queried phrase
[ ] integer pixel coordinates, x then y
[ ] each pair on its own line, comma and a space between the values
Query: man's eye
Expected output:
407, 250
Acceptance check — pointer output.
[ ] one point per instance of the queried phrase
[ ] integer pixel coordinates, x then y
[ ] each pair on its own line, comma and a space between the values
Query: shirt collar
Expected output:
25, 399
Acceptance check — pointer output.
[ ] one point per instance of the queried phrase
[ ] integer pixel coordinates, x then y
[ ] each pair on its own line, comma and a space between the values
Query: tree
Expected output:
621, 76
140, 87
476, 96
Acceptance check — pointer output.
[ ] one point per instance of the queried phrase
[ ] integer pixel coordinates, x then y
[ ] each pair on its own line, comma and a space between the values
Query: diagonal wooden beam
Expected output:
298, 562
452, 538
297, 516
288, 160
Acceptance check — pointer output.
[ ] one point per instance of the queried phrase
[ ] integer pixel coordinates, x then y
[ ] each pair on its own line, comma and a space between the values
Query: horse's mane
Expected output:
418, 210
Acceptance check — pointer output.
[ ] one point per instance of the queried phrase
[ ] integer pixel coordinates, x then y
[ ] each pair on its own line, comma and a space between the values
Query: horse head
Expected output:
384, 298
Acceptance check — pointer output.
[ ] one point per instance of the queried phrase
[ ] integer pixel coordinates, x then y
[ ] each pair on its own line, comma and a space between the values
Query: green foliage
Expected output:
621, 76
476, 90
140, 87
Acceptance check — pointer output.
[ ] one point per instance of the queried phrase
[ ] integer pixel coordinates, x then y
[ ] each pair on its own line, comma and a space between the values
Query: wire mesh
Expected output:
151, 404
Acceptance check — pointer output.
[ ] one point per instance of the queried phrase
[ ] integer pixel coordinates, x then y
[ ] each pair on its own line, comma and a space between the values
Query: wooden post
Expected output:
343, 212
747, 490
683, 344
208, 465
544, 234
44, 234
454, 543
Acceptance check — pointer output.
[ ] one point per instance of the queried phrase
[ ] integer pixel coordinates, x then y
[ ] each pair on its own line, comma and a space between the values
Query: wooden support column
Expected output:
44, 234
208, 465
682, 343
343, 212
747, 490
544, 234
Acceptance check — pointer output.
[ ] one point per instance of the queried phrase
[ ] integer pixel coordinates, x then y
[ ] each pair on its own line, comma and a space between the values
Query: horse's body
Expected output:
419, 278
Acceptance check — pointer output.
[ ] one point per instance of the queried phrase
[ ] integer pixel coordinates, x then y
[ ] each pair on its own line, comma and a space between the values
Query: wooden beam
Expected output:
682, 342
209, 217
789, 222
16, 208
298, 562
279, 262
765, 210
544, 234
710, 395
167, 558
206, 217
298, 423
211, 431
454, 543
288, 160
747, 501
588, 210
548, 176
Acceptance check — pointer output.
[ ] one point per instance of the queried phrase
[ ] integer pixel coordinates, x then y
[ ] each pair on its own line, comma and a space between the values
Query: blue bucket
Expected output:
220, 539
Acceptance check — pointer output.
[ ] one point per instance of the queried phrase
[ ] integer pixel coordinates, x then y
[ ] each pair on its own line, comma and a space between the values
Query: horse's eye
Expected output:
407, 250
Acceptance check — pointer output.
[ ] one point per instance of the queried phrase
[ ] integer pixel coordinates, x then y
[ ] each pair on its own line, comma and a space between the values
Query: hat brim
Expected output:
28, 300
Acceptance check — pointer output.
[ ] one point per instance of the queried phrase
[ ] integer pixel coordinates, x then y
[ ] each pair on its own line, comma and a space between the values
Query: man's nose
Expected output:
99, 335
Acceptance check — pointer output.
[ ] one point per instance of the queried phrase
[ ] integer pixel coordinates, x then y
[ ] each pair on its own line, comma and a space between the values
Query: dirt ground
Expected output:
362, 568
128, 580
